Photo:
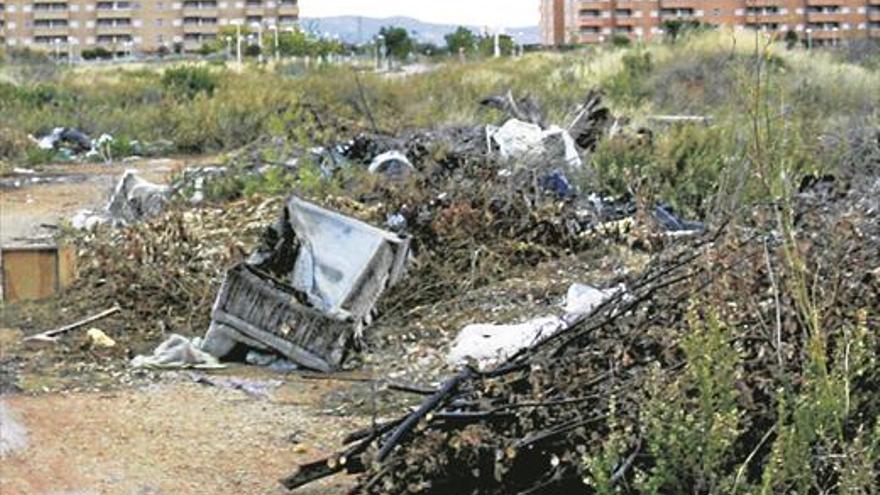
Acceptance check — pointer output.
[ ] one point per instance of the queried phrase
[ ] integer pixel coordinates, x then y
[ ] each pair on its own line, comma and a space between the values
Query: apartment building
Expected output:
66, 27
816, 21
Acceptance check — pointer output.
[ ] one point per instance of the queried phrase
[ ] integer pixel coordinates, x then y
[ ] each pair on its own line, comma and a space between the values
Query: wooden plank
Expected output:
67, 271
294, 352
29, 273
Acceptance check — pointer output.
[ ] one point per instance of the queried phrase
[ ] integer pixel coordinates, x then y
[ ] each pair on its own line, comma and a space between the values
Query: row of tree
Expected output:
397, 42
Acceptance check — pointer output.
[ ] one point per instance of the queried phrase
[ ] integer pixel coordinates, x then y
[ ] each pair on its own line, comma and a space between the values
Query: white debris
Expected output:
393, 164
525, 141
177, 352
488, 344
582, 299
13, 435
99, 338
135, 198
88, 220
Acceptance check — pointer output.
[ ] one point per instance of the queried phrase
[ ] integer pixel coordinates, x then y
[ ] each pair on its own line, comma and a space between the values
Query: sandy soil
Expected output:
172, 438
32, 206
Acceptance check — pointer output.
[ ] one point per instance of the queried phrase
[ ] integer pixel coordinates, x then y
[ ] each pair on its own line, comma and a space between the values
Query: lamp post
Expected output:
259, 27
57, 43
228, 47
809, 39
238, 44
380, 45
70, 44
274, 29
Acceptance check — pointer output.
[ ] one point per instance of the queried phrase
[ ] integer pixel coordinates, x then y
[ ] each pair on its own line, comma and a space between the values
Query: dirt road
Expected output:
32, 205
178, 438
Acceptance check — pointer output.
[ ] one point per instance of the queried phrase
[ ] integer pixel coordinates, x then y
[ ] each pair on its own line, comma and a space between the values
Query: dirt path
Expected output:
172, 438
31, 202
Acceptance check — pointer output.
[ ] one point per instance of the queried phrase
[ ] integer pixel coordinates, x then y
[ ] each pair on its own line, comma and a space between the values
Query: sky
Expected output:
513, 13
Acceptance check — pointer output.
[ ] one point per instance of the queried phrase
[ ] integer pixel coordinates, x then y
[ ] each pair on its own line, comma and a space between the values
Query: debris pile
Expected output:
310, 290
542, 420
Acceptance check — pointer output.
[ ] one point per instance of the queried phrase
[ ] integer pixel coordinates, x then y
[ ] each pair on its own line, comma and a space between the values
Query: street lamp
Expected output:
70, 49
809, 39
238, 44
259, 28
57, 42
380, 50
274, 29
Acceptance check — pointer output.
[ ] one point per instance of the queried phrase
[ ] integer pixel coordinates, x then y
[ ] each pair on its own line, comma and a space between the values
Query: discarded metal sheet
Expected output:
310, 312
135, 198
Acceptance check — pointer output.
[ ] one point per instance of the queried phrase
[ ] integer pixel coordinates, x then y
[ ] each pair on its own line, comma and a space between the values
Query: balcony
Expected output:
766, 3
594, 5
113, 29
679, 4
874, 14
50, 11
593, 21
824, 3
824, 17
193, 28
113, 13
59, 30
288, 9
200, 11
764, 18
626, 21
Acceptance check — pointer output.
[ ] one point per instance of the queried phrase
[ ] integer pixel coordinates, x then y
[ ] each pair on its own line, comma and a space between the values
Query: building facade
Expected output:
814, 21
66, 27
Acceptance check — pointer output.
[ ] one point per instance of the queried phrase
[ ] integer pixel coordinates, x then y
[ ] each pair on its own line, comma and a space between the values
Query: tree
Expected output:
462, 40
487, 45
397, 41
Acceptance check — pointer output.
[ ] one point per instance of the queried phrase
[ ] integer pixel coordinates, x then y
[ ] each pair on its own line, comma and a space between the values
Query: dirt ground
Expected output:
33, 206
175, 438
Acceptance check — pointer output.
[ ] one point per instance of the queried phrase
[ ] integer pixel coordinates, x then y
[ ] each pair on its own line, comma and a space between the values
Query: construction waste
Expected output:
311, 288
587, 405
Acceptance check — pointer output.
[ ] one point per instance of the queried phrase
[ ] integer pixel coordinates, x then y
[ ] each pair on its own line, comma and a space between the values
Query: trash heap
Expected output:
586, 407
310, 290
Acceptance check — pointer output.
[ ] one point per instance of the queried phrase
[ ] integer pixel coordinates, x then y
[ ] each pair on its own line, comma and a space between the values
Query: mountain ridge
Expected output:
361, 29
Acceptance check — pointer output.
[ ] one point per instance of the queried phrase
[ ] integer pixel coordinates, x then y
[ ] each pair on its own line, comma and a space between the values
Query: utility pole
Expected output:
238, 44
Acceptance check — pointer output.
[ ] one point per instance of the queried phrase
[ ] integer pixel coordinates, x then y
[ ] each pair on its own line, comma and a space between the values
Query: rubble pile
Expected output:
164, 272
539, 421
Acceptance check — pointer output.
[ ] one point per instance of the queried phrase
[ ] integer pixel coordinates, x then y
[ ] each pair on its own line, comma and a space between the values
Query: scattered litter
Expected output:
177, 352
261, 389
270, 360
488, 344
135, 199
13, 435
582, 299
67, 138
309, 291
529, 144
557, 183
671, 222
99, 338
392, 164
52, 335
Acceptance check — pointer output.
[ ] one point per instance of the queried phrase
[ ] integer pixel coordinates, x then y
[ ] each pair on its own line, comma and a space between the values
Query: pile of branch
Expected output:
529, 425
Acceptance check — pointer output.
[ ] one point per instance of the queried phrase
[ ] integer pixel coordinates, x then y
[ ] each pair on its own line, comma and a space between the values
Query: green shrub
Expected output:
96, 53
189, 81
629, 86
620, 40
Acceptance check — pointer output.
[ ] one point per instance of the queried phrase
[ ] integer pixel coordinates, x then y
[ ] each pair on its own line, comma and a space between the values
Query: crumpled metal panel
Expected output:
312, 313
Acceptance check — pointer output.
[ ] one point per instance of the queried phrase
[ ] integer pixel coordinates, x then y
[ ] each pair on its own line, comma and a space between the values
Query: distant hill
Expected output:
354, 29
